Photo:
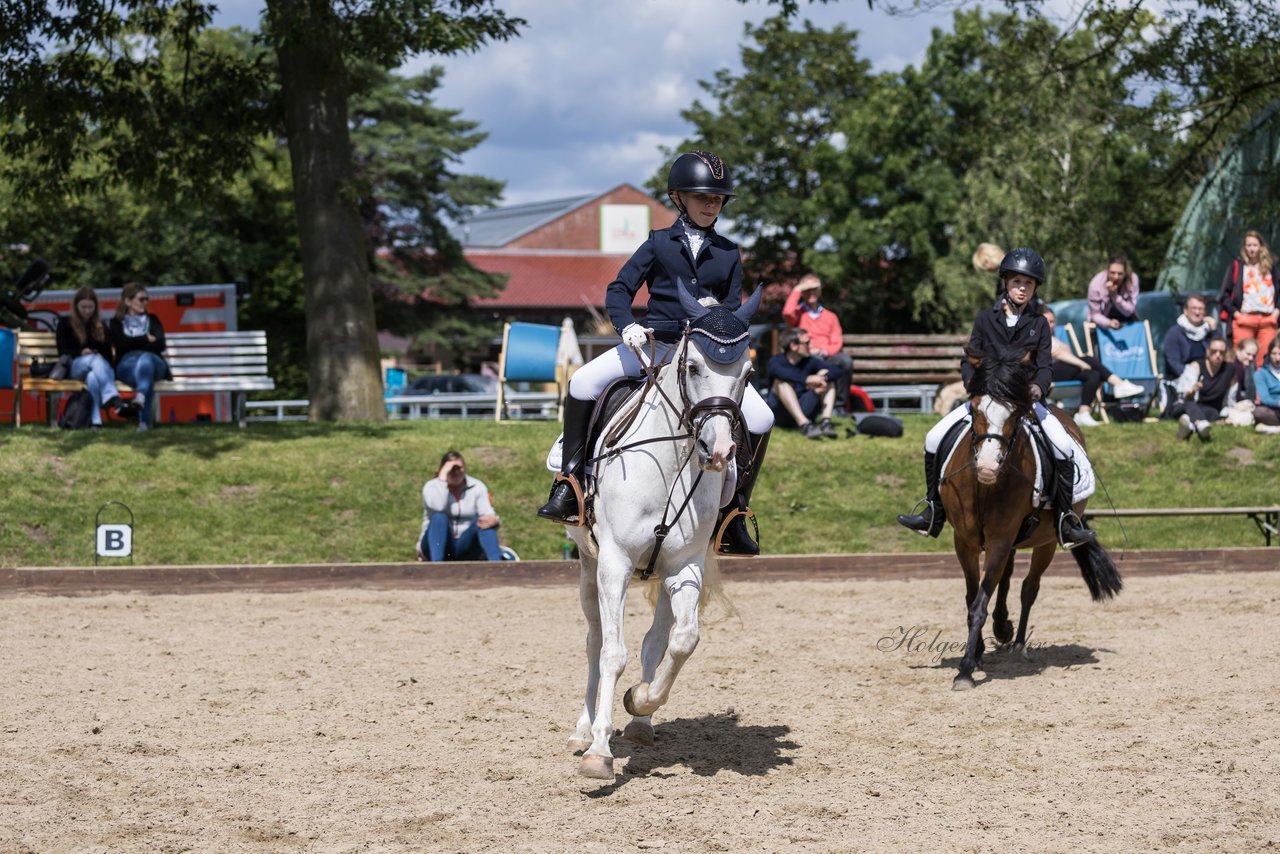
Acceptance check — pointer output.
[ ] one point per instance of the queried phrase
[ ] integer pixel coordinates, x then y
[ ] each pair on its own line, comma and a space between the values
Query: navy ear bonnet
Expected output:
720, 335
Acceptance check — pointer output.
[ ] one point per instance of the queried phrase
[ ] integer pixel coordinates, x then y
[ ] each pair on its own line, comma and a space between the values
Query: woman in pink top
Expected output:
1113, 295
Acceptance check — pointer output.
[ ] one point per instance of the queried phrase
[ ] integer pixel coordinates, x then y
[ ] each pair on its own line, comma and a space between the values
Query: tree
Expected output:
102, 108
406, 148
884, 184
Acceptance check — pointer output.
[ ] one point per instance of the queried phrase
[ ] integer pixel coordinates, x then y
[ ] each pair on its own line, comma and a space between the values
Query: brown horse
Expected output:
987, 491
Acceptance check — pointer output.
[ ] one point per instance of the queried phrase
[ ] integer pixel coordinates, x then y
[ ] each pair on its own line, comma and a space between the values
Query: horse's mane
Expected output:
1003, 375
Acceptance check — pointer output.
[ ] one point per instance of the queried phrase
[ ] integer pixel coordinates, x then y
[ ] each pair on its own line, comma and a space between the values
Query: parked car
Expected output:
469, 396
454, 384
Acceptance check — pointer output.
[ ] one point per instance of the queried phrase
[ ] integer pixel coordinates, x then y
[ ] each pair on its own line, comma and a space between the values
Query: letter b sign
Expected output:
115, 540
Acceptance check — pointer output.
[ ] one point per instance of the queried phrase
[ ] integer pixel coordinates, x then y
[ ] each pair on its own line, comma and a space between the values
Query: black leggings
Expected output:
1089, 380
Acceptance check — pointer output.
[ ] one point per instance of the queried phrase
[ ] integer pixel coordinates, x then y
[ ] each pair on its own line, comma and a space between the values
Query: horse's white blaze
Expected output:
987, 459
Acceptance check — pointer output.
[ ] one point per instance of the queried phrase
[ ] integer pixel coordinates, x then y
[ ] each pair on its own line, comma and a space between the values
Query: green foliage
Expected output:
299, 493
1010, 131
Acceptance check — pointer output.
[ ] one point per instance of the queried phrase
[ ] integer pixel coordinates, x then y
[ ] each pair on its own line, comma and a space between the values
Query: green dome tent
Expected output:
1241, 192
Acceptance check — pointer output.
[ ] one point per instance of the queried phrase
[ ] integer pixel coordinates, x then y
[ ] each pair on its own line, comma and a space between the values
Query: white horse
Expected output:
669, 468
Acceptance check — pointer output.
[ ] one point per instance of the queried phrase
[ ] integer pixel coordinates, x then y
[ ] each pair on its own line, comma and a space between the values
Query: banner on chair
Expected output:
1124, 351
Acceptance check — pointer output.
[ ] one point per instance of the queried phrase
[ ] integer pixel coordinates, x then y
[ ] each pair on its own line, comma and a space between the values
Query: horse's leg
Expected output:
640, 729
997, 560
612, 576
1041, 557
1000, 625
683, 589
589, 596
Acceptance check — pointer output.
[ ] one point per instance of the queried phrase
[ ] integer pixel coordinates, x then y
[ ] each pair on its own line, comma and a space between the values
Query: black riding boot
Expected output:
562, 506
737, 540
1071, 530
931, 520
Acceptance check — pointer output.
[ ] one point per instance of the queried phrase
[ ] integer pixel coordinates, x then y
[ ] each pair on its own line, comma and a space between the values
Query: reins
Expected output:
691, 417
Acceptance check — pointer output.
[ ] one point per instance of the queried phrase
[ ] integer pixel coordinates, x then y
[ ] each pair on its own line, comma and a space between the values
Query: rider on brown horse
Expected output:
1014, 323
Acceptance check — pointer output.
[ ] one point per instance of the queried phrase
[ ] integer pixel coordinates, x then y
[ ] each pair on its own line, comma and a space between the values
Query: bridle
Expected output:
690, 416
1006, 443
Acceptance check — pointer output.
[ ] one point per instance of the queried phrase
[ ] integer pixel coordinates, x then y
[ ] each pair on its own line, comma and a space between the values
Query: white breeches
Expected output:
590, 381
1064, 447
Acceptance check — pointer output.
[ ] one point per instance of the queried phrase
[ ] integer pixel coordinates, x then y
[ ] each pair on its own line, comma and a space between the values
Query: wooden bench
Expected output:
201, 363
904, 367
1267, 518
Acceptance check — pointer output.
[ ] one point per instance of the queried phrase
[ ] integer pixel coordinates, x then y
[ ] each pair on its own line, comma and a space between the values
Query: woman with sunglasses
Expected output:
138, 339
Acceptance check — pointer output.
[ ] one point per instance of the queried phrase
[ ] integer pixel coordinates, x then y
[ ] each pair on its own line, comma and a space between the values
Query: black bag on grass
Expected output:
875, 424
77, 413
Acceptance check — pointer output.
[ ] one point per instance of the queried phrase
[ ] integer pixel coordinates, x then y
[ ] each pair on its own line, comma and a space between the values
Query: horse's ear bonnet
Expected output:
720, 335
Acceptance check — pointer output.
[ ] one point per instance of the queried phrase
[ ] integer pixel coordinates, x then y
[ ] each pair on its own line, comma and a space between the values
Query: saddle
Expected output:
1046, 466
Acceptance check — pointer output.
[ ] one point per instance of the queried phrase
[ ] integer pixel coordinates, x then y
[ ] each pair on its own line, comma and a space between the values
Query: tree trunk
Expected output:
344, 382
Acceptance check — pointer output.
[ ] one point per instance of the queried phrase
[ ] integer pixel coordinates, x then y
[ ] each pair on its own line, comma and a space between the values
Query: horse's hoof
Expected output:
963, 683
1004, 632
579, 745
638, 732
631, 705
596, 767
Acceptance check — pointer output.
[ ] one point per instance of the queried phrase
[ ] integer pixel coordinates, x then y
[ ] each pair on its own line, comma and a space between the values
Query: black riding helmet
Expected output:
699, 172
1021, 261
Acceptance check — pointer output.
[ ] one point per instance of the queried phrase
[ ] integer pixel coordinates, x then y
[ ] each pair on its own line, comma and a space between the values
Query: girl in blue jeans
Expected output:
458, 520
82, 338
138, 338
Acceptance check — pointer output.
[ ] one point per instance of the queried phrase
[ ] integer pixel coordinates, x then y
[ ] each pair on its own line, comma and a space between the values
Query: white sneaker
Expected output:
1184, 427
1204, 430
1267, 428
1124, 388
1084, 419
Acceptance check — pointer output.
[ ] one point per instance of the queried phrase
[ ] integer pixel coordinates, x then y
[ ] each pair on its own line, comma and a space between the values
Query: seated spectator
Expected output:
82, 340
1267, 381
1185, 341
1246, 359
137, 336
458, 520
1113, 295
803, 387
1204, 391
1067, 366
987, 258
804, 310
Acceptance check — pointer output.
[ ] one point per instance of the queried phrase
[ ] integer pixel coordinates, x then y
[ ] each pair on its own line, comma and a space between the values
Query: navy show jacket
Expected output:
660, 260
1031, 332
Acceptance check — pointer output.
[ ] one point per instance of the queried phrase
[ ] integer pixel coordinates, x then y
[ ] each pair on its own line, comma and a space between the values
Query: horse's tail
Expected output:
1098, 570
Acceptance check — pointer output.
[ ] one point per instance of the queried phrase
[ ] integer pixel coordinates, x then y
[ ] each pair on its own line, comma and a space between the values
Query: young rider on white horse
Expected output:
709, 265
1014, 322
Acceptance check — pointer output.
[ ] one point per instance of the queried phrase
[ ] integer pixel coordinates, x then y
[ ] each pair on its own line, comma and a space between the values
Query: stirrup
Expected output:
718, 540
1062, 540
577, 494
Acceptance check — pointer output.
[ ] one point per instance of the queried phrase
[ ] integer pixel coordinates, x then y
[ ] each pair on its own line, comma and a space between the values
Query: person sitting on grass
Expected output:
1088, 370
1204, 389
1267, 380
458, 519
803, 387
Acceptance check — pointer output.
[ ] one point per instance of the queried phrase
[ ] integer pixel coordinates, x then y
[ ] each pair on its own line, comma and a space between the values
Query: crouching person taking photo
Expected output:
458, 519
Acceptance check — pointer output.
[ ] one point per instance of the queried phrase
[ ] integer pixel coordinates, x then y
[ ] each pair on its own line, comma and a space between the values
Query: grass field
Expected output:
301, 493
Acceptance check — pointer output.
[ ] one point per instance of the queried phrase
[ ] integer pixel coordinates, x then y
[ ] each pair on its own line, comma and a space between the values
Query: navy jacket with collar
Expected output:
1031, 332
659, 261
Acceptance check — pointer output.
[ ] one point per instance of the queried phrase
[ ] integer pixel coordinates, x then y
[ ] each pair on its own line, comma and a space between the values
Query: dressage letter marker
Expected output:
115, 540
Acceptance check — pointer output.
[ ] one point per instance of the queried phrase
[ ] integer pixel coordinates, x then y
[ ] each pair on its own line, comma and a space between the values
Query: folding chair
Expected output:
1069, 392
529, 354
1127, 352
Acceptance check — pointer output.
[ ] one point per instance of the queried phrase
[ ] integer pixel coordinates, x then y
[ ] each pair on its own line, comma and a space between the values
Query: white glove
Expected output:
636, 336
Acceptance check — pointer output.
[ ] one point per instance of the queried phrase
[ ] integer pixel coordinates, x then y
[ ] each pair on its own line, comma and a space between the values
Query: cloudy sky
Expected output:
585, 97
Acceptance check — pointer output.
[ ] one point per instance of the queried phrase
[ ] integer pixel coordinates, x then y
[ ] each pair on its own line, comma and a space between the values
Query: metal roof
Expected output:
500, 226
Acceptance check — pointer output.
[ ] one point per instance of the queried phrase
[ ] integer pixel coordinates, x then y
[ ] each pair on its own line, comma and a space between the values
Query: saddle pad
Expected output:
951, 442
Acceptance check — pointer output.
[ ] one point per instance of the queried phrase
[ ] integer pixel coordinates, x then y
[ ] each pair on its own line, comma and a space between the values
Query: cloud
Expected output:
584, 97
